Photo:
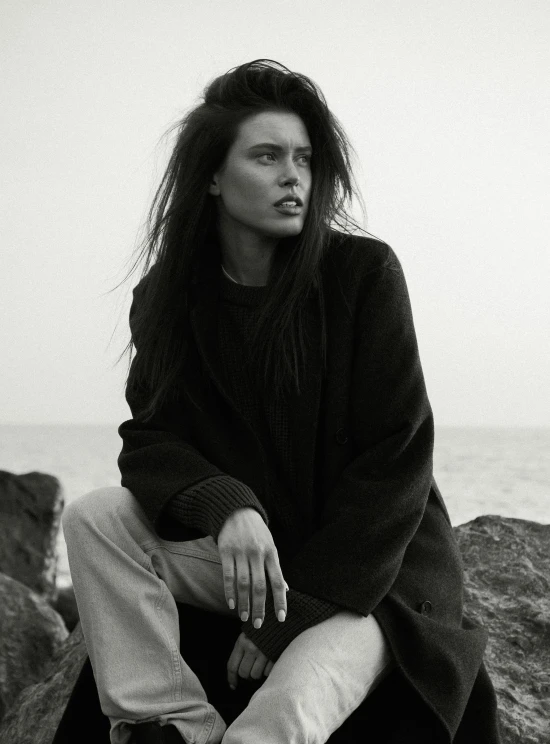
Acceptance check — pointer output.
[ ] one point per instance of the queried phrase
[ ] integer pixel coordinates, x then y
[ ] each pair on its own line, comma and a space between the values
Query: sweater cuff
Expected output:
303, 611
207, 505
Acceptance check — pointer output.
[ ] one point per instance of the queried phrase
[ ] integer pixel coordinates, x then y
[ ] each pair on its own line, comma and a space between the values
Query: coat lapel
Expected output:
304, 414
303, 408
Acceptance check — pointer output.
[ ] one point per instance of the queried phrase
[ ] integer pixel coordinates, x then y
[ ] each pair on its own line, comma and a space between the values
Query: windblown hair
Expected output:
183, 214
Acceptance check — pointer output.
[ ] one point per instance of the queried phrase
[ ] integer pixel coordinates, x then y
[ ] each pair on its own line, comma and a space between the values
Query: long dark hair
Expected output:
183, 215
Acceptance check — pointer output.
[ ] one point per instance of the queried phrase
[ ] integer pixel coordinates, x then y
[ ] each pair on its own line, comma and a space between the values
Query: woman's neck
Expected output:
247, 257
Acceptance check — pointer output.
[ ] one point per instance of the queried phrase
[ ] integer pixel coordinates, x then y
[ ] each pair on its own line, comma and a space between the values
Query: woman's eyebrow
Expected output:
278, 148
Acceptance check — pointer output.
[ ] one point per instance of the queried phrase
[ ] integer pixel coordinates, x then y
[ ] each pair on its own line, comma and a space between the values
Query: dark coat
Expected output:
376, 534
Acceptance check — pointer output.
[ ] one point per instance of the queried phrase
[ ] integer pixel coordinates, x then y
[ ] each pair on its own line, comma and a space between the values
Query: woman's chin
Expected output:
287, 230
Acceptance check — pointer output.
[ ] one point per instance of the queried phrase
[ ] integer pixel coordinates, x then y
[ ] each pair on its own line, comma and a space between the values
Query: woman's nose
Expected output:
290, 174
290, 177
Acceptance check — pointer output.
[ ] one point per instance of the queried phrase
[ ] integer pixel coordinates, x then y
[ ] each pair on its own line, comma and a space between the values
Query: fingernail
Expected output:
287, 586
244, 616
258, 622
232, 687
281, 616
231, 604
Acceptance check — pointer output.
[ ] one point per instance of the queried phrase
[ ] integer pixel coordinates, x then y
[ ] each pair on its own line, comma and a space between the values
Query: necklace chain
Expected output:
228, 275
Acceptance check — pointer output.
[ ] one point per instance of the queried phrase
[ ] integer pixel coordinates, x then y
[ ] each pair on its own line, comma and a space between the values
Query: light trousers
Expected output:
127, 581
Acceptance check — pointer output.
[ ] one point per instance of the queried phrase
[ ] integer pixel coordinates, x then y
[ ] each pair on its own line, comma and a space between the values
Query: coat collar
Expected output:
303, 408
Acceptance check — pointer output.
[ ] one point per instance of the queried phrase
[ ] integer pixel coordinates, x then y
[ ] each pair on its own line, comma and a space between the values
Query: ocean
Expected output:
503, 471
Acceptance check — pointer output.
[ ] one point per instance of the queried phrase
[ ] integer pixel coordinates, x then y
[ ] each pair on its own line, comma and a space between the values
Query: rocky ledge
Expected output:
507, 589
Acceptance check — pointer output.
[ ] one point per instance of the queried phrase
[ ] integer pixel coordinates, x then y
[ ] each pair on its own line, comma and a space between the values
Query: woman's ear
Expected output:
214, 188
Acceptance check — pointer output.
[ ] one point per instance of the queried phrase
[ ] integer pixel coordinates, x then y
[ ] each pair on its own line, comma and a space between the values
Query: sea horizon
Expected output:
480, 470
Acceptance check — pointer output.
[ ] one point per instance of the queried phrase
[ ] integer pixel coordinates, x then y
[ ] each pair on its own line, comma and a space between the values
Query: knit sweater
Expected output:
207, 505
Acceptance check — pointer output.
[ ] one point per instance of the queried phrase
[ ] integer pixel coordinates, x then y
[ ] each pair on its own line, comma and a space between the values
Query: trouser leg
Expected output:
126, 582
317, 682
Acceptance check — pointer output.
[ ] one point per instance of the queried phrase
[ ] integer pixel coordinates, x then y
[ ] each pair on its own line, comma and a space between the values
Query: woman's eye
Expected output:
269, 157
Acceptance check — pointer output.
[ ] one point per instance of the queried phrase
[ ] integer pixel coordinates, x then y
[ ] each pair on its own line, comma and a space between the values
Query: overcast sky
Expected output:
447, 106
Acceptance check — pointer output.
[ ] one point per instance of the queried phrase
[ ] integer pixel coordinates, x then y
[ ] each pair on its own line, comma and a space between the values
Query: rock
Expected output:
30, 512
31, 632
65, 605
35, 716
507, 589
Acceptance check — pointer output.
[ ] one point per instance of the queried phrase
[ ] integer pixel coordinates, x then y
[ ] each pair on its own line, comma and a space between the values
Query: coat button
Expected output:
426, 608
341, 436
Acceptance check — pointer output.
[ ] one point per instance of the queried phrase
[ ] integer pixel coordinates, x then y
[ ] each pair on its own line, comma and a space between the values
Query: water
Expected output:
479, 471
82, 457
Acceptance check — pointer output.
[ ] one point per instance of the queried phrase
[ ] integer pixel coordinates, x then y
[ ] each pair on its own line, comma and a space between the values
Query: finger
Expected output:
268, 667
247, 662
259, 665
257, 571
233, 665
243, 587
278, 585
228, 569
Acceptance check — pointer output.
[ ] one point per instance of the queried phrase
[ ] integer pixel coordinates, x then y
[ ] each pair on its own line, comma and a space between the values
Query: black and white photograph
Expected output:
274, 391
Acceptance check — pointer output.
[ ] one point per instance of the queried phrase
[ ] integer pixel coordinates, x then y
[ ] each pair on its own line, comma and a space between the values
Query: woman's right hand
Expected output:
248, 553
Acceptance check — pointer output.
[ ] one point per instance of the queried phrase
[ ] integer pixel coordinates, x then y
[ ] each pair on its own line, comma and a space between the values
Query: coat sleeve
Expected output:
376, 505
168, 476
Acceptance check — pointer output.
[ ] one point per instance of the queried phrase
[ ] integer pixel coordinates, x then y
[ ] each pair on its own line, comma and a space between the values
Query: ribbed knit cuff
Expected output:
207, 505
303, 611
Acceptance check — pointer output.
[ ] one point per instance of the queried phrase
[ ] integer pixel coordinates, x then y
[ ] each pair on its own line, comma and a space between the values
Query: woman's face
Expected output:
269, 163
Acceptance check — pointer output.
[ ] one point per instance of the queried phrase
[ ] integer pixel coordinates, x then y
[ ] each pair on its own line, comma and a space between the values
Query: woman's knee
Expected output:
98, 508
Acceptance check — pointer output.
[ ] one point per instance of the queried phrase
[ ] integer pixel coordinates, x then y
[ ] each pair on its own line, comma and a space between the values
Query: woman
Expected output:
278, 463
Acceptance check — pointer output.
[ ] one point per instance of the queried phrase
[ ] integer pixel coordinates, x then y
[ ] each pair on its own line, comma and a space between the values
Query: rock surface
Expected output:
30, 513
31, 632
65, 604
507, 589
35, 716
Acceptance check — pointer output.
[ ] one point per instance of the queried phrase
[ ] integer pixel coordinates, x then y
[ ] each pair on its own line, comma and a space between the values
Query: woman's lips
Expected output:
288, 209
